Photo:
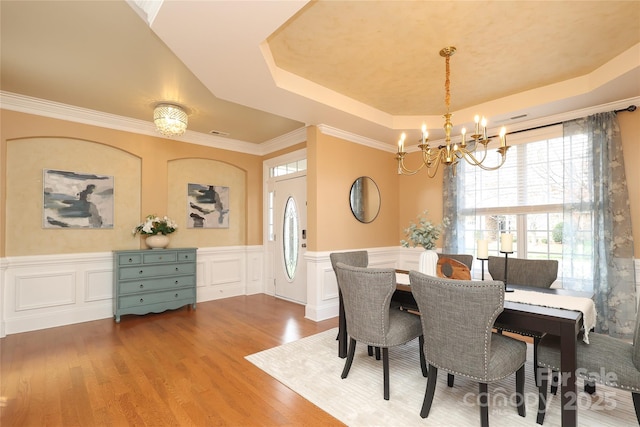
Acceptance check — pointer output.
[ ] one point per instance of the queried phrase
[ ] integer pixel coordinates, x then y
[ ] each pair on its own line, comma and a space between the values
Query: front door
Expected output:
291, 239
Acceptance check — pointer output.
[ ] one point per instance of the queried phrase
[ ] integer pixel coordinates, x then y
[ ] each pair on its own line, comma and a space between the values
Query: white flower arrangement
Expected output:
424, 233
155, 225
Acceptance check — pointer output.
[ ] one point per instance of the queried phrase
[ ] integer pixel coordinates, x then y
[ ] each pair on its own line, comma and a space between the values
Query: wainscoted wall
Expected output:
45, 291
322, 288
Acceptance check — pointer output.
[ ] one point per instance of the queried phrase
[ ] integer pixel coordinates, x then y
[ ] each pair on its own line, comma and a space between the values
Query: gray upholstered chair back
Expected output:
527, 272
636, 343
463, 258
353, 258
457, 318
366, 294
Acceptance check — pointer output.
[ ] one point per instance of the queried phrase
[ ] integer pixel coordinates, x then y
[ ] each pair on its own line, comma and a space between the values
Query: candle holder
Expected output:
482, 260
506, 258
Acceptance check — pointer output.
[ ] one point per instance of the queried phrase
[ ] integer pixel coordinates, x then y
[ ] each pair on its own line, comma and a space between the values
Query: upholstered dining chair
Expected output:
607, 360
457, 319
540, 273
353, 258
366, 294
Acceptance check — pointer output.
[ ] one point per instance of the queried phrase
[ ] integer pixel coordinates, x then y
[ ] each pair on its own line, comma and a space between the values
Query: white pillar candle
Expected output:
483, 249
506, 242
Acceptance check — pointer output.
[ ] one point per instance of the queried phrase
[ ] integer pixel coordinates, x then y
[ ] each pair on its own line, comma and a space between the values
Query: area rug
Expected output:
311, 367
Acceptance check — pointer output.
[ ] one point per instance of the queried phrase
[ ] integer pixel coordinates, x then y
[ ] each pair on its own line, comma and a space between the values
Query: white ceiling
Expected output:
261, 69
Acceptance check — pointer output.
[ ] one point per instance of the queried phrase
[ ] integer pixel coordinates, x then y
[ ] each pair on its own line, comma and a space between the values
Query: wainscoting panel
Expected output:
39, 292
98, 285
44, 290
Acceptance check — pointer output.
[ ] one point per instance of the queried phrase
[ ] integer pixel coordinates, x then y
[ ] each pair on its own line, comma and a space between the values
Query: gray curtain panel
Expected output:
597, 240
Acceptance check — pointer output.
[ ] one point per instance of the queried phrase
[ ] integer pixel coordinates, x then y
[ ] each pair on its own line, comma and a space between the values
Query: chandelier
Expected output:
451, 152
170, 119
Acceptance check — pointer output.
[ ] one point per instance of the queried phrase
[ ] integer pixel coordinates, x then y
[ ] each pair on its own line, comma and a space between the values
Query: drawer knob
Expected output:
176, 295
177, 269
140, 272
176, 282
141, 299
130, 259
141, 286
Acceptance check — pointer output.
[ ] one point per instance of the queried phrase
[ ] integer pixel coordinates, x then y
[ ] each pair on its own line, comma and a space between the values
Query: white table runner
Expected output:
584, 305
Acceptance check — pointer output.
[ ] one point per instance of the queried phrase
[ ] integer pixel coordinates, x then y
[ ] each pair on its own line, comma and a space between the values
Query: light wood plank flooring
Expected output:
178, 368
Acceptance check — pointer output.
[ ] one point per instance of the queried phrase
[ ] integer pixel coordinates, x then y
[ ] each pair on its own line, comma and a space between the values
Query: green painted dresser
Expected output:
153, 280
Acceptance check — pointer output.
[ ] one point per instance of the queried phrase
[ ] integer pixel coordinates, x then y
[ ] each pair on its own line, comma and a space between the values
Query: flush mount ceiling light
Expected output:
170, 119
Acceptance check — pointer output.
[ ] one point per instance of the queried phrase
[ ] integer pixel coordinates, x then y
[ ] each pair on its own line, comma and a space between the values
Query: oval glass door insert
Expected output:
290, 237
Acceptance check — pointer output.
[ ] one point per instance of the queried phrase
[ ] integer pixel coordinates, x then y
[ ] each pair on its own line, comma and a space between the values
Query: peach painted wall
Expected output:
630, 133
159, 159
334, 165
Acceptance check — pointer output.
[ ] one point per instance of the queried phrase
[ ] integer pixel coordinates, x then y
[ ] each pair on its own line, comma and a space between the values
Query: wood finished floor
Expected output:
178, 368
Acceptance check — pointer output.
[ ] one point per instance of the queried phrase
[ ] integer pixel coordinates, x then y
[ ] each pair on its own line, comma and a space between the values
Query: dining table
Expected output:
567, 324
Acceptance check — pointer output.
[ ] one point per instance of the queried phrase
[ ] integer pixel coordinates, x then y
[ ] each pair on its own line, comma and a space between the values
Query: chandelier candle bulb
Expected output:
484, 128
483, 249
477, 120
503, 136
506, 242
463, 132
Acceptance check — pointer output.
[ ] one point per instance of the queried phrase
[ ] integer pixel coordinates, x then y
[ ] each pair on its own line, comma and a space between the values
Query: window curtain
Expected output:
597, 239
450, 209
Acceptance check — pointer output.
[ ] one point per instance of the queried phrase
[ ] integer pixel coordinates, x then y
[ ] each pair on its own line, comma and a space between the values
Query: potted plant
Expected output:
157, 230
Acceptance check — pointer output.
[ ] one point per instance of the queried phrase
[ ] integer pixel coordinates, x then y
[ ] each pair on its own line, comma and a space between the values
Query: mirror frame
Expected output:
366, 208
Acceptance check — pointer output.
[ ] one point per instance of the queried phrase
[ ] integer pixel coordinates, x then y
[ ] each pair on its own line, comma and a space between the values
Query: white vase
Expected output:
428, 262
157, 241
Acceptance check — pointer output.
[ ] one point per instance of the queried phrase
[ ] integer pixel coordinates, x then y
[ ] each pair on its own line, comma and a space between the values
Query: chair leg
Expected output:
423, 361
520, 391
536, 340
589, 387
370, 350
450, 379
555, 381
484, 405
349, 361
429, 392
385, 371
636, 405
542, 397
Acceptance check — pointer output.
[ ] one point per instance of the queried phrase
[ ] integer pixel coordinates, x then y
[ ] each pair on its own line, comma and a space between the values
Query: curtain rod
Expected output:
630, 108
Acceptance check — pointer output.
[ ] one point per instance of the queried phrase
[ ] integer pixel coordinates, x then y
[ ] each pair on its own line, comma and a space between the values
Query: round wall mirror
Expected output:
364, 199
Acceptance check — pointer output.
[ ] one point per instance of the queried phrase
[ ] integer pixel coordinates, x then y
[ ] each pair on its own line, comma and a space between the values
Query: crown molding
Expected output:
41, 107
352, 137
56, 110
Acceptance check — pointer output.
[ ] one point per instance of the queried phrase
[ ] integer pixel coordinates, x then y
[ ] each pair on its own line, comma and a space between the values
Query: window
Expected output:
524, 197
288, 168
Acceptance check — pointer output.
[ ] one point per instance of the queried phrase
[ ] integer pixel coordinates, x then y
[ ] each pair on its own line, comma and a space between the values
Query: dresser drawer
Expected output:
160, 256
129, 259
186, 256
156, 298
160, 283
142, 271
